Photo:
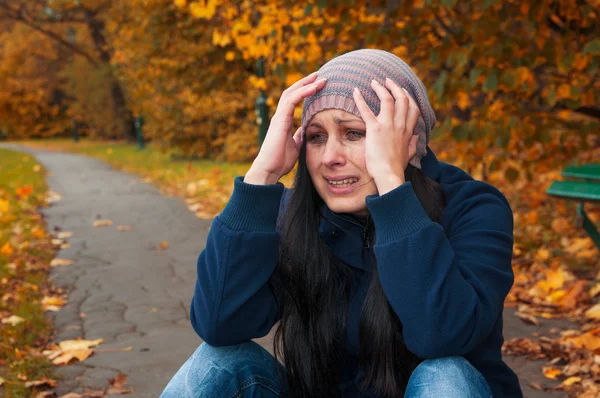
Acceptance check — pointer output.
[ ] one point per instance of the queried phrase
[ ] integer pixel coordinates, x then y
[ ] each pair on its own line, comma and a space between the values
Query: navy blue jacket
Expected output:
446, 282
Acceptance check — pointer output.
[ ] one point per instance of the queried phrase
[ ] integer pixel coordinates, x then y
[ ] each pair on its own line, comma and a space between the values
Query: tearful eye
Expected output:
355, 135
317, 138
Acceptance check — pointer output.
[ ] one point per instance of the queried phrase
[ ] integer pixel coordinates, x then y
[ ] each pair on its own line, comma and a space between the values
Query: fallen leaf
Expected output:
119, 380
124, 228
551, 372
554, 279
94, 393
569, 300
561, 225
6, 250
13, 320
163, 245
64, 235
117, 385
578, 244
569, 382
528, 318
53, 197
61, 262
77, 344
587, 340
53, 303
2, 381
536, 386
542, 254
41, 382
103, 223
71, 395
45, 394
72, 349
4, 205
65, 357
593, 312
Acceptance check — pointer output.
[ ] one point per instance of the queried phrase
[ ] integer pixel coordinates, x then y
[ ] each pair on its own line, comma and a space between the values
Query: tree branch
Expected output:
19, 16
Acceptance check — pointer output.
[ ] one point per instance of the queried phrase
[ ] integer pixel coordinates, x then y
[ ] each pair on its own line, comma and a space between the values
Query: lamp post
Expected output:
139, 134
262, 111
71, 37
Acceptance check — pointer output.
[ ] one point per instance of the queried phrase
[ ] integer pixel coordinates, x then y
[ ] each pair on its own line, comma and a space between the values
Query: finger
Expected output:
413, 113
412, 146
365, 112
402, 104
298, 137
304, 81
290, 99
387, 101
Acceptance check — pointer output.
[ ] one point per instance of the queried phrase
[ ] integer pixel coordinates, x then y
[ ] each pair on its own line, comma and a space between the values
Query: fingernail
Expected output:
322, 80
374, 82
356, 90
387, 79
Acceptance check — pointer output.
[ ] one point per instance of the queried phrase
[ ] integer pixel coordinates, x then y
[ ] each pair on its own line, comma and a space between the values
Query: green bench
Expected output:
587, 190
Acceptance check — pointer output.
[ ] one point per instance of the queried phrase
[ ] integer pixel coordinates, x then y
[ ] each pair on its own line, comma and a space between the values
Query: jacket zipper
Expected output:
366, 236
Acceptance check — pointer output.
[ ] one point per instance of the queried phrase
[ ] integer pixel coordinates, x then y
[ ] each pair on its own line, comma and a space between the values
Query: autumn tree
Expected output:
194, 96
32, 102
54, 19
503, 74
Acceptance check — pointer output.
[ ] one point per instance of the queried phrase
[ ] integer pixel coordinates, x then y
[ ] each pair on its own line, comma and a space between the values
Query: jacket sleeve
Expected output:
232, 300
447, 287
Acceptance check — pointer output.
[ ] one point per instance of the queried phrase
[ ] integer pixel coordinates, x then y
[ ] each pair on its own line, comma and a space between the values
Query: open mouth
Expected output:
342, 183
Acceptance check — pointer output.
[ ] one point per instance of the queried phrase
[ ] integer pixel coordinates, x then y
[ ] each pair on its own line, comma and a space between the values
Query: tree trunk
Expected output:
123, 114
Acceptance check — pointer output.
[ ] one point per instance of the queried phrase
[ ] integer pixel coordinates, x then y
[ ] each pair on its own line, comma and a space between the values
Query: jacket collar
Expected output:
430, 165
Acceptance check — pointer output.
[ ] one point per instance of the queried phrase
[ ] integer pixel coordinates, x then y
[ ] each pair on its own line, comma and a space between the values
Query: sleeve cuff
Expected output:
252, 207
397, 214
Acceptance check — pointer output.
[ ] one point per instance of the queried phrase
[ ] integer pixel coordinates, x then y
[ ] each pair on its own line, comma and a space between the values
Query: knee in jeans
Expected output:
450, 376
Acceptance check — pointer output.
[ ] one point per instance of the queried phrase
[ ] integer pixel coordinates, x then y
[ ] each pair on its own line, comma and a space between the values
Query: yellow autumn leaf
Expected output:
4, 205
551, 372
61, 262
557, 295
164, 245
587, 340
65, 357
593, 312
53, 303
578, 244
6, 249
180, 3
569, 382
554, 279
542, 254
561, 225
102, 223
13, 320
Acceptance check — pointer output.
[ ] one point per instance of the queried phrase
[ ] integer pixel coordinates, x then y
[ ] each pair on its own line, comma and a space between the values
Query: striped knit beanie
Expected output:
357, 69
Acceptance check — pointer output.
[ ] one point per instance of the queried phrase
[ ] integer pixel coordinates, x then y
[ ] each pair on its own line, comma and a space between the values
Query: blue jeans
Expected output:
248, 370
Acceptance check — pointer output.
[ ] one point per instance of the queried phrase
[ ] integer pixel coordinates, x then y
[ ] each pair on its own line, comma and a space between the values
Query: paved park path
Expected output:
134, 295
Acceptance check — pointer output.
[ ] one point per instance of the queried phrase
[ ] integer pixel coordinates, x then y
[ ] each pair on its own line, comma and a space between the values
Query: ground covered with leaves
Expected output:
26, 250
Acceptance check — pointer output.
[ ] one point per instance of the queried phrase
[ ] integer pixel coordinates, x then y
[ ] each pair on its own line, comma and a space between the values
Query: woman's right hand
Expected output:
281, 147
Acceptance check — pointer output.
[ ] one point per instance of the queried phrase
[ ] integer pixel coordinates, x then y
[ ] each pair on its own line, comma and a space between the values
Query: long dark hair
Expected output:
313, 286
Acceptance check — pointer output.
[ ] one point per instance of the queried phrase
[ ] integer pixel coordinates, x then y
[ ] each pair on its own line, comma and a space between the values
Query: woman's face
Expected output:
335, 158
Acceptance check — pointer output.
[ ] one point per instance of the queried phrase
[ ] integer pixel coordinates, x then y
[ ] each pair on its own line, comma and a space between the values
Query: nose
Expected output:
333, 154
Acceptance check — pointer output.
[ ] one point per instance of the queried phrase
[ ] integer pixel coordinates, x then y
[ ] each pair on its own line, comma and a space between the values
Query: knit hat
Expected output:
357, 69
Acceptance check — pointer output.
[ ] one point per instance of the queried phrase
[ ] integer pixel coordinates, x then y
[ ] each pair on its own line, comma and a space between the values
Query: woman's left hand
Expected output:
389, 142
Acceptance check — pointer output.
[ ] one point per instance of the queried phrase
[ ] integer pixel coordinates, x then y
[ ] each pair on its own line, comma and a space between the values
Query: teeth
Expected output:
343, 182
